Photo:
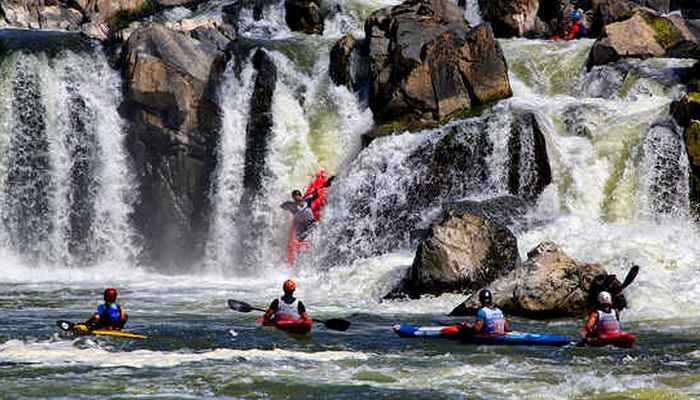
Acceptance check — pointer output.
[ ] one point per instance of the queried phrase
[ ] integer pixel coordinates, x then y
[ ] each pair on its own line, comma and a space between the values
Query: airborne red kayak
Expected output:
295, 326
617, 339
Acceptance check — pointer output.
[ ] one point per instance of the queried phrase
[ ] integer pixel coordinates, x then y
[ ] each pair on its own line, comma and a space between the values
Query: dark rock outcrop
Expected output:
426, 64
462, 252
645, 35
39, 14
550, 284
513, 17
170, 100
529, 171
304, 15
687, 113
346, 56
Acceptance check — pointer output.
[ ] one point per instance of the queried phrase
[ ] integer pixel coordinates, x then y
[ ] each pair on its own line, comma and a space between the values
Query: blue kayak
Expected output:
510, 338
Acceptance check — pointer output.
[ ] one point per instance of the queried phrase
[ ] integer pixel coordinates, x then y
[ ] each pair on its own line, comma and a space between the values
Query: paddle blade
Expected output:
337, 324
239, 306
65, 325
329, 181
630, 276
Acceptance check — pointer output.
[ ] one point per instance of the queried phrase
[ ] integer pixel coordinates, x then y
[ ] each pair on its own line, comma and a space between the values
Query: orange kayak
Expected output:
295, 326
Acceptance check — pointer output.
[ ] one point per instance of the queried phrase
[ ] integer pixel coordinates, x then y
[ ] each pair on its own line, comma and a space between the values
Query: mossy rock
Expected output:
666, 33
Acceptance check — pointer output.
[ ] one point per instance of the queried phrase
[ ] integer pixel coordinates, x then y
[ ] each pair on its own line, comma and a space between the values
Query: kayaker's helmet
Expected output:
485, 297
576, 15
604, 298
296, 195
110, 295
289, 286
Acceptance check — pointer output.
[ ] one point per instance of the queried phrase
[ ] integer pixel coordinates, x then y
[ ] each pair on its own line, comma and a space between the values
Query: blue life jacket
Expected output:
110, 316
494, 321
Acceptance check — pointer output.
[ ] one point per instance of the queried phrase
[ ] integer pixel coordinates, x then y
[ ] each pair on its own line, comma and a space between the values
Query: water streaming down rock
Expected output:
67, 183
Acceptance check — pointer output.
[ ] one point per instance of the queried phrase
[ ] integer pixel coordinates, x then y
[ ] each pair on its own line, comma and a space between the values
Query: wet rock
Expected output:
426, 63
39, 15
464, 251
550, 284
170, 82
645, 35
96, 31
529, 171
606, 12
513, 17
304, 15
343, 54
687, 109
692, 140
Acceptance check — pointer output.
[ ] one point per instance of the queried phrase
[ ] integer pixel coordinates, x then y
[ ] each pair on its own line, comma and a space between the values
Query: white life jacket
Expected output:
287, 311
607, 322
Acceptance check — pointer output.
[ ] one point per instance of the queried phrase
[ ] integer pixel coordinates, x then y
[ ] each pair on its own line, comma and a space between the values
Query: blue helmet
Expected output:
576, 15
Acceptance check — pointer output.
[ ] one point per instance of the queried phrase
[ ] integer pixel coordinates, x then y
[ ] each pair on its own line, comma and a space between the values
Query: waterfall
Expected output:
67, 186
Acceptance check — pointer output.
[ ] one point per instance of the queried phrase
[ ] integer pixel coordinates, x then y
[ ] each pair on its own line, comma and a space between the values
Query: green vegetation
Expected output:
123, 18
666, 33
694, 96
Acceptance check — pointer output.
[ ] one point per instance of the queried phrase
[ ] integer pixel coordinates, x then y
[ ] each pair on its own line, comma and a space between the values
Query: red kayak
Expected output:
295, 246
295, 326
617, 339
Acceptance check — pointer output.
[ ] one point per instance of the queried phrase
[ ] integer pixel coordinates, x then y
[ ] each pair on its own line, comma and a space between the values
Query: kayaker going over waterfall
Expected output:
490, 320
287, 307
109, 315
306, 210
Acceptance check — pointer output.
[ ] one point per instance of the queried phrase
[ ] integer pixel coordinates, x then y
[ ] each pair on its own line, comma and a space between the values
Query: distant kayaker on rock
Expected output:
490, 320
109, 315
287, 307
573, 27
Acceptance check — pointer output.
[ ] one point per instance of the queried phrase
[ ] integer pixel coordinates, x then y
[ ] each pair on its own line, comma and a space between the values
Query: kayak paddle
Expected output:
335, 324
630, 276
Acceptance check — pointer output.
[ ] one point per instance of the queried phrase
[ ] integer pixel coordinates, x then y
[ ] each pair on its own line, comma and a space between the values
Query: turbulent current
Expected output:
618, 196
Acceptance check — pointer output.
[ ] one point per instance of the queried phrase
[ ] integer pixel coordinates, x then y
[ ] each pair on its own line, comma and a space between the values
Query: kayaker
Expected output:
109, 315
490, 320
602, 321
304, 218
576, 28
287, 307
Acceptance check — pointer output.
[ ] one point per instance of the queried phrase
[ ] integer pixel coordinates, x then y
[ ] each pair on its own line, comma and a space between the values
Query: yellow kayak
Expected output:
82, 330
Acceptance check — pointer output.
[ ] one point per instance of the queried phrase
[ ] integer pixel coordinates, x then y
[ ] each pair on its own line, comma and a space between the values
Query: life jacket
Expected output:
110, 316
607, 322
320, 200
494, 321
287, 311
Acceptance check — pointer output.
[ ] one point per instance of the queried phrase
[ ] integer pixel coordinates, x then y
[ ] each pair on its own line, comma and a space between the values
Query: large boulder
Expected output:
304, 15
645, 35
170, 82
550, 284
426, 64
346, 56
42, 14
463, 252
513, 17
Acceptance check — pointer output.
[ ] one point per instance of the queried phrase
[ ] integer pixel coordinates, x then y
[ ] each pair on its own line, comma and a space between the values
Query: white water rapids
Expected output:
618, 197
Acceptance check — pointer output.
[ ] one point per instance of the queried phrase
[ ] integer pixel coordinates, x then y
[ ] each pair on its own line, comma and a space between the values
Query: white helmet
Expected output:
604, 298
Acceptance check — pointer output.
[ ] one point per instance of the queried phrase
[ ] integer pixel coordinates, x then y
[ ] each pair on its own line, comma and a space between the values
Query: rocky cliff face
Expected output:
170, 84
426, 63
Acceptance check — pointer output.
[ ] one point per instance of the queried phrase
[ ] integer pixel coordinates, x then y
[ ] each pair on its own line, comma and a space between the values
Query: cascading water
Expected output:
67, 185
617, 196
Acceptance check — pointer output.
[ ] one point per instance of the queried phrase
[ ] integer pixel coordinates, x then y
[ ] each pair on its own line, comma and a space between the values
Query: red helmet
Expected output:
289, 286
110, 295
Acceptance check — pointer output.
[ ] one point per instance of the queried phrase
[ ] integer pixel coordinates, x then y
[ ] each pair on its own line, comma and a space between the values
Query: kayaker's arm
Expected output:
588, 328
506, 325
302, 310
271, 310
289, 206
